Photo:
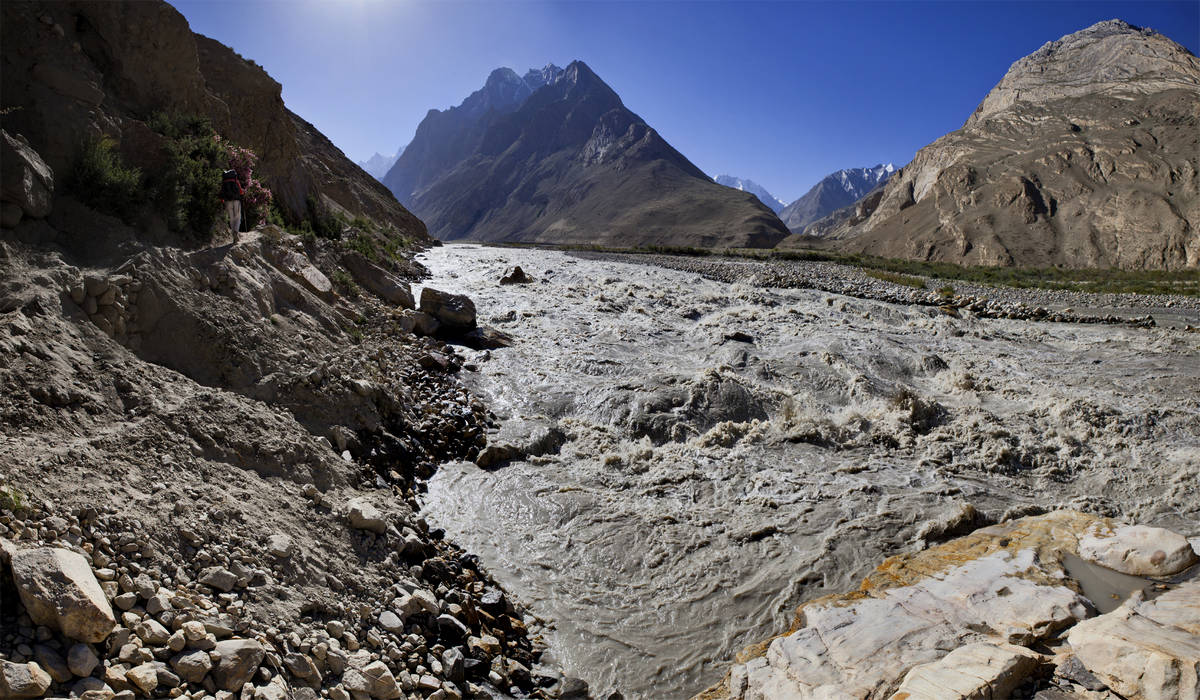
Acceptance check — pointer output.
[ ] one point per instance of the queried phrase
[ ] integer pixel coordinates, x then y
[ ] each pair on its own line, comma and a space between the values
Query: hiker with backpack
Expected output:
231, 194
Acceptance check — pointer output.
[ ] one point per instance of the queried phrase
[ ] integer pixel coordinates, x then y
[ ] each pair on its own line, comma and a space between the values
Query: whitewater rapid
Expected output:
714, 454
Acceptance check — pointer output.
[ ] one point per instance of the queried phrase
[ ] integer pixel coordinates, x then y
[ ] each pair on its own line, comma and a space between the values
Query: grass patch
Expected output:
897, 278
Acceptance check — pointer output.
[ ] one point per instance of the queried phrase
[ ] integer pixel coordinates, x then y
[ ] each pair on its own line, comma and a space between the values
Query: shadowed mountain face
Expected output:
1086, 154
837, 190
555, 157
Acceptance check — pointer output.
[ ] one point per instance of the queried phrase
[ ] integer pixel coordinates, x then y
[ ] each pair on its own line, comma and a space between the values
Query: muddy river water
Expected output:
701, 457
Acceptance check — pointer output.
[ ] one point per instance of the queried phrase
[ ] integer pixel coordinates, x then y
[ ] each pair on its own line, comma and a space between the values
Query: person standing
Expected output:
231, 194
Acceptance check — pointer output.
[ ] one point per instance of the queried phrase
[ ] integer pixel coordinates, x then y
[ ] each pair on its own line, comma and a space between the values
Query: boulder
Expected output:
365, 516
374, 679
25, 179
218, 577
379, 281
971, 672
82, 660
239, 660
515, 275
144, 676
456, 312
486, 338
1146, 650
192, 666
59, 590
22, 680
1138, 550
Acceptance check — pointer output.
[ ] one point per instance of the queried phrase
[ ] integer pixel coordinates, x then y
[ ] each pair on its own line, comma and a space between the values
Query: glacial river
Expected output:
714, 454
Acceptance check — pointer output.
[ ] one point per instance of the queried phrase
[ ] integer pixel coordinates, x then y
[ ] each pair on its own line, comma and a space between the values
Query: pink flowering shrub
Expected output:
256, 201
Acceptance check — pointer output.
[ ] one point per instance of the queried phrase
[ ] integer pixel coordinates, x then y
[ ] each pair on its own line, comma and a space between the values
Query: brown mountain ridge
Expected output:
1086, 154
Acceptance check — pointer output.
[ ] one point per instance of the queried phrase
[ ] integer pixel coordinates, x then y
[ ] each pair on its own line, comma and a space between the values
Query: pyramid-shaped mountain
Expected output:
834, 191
555, 157
1086, 154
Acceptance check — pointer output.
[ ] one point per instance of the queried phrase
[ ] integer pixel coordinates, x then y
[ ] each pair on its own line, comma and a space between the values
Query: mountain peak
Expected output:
1111, 57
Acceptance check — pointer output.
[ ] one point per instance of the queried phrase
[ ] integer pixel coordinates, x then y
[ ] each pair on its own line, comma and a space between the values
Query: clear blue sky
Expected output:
782, 93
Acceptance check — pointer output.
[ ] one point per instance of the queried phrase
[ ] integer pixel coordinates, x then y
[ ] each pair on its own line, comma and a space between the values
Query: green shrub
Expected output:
102, 181
12, 500
322, 222
189, 188
897, 278
946, 291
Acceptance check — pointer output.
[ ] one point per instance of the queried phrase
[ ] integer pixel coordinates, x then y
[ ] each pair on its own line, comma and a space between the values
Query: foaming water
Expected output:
728, 451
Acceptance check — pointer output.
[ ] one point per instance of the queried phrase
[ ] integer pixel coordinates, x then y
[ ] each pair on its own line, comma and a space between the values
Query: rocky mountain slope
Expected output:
76, 72
555, 157
210, 455
753, 188
1086, 154
835, 191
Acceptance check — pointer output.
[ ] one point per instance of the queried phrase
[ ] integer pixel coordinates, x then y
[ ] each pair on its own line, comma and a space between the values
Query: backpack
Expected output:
231, 188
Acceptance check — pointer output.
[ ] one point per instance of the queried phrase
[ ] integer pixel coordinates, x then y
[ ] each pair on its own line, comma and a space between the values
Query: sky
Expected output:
782, 93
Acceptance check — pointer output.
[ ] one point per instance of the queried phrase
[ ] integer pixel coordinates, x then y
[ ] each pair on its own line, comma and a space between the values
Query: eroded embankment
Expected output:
688, 460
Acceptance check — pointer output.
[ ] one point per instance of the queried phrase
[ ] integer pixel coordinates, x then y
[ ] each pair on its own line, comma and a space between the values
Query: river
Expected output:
729, 451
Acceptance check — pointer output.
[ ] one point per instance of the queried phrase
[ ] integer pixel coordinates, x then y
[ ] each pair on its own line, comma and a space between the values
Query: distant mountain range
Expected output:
837, 190
1086, 154
378, 164
554, 156
753, 188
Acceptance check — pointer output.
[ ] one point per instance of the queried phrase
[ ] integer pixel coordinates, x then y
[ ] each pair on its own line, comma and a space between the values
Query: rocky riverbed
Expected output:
677, 461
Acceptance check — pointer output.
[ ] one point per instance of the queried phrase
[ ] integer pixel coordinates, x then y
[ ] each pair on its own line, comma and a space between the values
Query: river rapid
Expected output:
703, 456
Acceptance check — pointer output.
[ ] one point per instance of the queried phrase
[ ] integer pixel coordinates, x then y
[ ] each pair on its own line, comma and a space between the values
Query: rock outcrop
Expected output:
1084, 155
556, 157
960, 620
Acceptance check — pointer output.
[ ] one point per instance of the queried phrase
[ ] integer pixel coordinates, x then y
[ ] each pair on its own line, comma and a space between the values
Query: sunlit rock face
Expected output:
1085, 155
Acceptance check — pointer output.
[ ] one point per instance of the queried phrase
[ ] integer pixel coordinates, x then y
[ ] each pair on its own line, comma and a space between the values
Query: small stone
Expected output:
82, 660
301, 667
192, 666
452, 629
23, 680
177, 642
52, 662
152, 632
193, 630
364, 516
391, 622
335, 628
239, 660
280, 546
219, 578
144, 677
125, 601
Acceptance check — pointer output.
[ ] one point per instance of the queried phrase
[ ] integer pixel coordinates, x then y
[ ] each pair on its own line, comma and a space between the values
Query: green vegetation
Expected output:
897, 278
187, 189
12, 500
184, 186
945, 291
345, 282
1182, 282
103, 181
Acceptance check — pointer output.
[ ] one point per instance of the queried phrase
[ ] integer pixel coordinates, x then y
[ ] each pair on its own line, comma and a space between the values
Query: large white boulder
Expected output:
1138, 550
1146, 650
59, 590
